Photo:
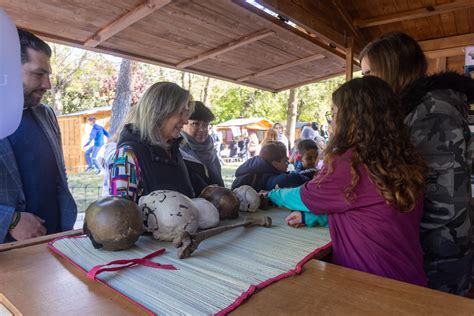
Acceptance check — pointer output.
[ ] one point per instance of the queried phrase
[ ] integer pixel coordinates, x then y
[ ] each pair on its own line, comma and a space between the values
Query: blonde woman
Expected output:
148, 157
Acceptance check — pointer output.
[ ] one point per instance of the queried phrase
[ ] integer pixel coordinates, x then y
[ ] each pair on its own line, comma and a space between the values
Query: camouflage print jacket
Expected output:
436, 109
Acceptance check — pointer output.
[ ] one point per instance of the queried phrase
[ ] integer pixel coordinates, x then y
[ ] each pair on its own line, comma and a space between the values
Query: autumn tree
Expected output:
66, 69
123, 95
291, 116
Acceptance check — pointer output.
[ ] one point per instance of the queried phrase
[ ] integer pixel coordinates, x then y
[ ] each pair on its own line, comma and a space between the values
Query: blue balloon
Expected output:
11, 84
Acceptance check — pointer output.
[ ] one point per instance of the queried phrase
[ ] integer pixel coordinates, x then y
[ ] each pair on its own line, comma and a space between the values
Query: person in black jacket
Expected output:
268, 170
198, 150
436, 109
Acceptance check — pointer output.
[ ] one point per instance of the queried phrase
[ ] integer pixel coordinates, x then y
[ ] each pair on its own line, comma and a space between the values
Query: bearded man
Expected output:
34, 196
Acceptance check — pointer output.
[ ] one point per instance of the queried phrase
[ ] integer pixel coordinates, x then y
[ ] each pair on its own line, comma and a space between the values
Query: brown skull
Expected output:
223, 199
113, 223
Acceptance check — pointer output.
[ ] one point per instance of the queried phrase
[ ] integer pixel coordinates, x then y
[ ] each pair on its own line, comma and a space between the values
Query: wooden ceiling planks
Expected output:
125, 21
188, 33
168, 36
427, 9
222, 49
450, 19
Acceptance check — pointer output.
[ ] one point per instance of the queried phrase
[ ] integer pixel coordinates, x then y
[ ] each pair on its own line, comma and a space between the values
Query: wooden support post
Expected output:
349, 58
441, 64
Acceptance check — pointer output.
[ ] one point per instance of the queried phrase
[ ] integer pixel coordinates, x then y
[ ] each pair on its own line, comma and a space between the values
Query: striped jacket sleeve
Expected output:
124, 173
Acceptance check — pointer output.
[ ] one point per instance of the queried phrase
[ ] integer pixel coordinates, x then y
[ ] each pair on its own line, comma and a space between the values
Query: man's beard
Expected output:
30, 100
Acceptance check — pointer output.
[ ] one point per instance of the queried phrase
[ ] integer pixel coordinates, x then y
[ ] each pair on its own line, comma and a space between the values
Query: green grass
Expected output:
87, 187
228, 172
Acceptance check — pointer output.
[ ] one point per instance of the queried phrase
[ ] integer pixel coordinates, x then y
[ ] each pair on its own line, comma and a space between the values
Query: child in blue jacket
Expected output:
268, 170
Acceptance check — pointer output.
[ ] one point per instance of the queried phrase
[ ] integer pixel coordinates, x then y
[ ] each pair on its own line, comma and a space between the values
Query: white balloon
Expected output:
11, 85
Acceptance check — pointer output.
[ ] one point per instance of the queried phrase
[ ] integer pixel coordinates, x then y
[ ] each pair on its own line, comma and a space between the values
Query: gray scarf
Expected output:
205, 151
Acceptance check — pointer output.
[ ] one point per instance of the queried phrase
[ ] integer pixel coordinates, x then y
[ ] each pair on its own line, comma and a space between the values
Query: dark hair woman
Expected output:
436, 110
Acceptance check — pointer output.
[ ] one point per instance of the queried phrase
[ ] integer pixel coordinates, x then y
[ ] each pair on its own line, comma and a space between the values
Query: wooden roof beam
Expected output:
339, 52
414, 14
225, 48
448, 42
149, 60
282, 67
447, 46
445, 52
325, 77
297, 12
134, 15
347, 18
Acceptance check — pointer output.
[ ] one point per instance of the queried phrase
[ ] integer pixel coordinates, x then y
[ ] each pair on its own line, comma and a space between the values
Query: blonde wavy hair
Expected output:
159, 102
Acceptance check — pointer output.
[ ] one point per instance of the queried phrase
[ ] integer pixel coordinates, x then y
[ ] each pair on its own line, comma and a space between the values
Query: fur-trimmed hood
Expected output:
414, 93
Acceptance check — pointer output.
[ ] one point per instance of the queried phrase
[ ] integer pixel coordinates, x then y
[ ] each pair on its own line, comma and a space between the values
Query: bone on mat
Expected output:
189, 242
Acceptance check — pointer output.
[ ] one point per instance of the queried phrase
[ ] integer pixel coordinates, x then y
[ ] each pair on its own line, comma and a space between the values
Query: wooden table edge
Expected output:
38, 240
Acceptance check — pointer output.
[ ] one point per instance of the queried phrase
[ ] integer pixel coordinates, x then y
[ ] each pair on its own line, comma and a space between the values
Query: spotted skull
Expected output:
167, 214
248, 198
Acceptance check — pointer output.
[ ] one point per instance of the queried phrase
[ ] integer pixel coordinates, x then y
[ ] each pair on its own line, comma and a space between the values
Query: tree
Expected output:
123, 95
291, 116
315, 100
65, 70
205, 90
77, 79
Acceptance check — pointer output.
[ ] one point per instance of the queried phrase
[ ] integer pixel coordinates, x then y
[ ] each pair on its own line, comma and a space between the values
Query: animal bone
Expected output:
189, 242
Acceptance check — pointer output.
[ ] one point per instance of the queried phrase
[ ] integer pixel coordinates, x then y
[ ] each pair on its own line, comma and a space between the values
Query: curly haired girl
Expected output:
371, 185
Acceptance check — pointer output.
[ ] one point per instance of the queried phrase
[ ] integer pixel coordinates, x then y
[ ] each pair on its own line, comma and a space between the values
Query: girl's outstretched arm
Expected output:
291, 199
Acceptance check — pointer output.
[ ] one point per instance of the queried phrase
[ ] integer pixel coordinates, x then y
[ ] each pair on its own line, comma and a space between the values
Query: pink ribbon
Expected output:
127, 263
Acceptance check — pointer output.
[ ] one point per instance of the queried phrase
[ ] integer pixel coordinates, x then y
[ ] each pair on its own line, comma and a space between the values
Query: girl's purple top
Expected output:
367, 234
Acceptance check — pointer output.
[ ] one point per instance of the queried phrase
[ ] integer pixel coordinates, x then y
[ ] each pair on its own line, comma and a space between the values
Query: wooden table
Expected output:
326, 289
39, 282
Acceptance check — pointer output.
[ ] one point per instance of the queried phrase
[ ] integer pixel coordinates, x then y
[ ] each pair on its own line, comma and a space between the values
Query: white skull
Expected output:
248, 197
167, 214
208, 213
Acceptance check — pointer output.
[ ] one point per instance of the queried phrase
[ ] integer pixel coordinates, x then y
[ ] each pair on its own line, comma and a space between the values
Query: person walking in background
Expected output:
320, 141
253, 145
281, 137
243, 146
217, 141
96, 135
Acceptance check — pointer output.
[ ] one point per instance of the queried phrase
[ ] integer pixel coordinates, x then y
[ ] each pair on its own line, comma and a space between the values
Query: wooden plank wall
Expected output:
74, 134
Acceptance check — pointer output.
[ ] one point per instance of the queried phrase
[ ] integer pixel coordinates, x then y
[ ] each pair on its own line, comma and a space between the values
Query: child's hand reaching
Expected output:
295, 219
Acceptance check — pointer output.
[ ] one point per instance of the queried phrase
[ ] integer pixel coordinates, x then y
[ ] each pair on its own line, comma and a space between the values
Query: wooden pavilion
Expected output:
267, 44
284, 45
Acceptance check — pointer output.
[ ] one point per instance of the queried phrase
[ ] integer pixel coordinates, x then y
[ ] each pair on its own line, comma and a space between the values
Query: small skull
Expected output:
248, 198
167, 214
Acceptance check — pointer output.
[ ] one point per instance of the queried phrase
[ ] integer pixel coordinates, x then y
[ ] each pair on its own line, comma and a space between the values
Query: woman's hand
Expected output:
295, 219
